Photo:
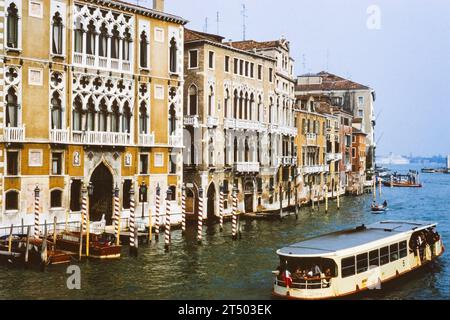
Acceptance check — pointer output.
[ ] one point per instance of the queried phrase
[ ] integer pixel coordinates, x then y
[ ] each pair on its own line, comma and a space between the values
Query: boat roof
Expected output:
331, 244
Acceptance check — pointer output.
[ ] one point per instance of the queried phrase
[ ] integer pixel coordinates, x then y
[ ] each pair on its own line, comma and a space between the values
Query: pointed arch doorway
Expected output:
211, 206
100, 202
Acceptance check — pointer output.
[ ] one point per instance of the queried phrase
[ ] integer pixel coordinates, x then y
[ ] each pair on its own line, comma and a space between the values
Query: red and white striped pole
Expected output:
183, 210
221, 208
84, 217
157, 213
116, 215
168, 213
133, 246
200, 216
235, 209
36, 211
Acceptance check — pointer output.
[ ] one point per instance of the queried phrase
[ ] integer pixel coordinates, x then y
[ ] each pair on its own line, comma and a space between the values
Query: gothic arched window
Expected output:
78, 37
235, 153
57, 34
235, 104
115, 117
12, 109
172, 120
90, 120
211, 101
90, 39
12, 26
103, 117
12, 200
126, 122
173, 55
193, 100
226, 103
126, 45
77, 112
56, 111
115, 40
103, 41
144, 50
143, 118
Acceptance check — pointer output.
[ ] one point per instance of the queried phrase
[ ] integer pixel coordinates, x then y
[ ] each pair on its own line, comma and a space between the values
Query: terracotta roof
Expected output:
252, 44
330, 82
191, 35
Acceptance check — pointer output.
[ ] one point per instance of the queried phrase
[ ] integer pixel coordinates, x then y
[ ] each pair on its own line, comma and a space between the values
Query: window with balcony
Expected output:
235, 151
115, 43
56, 199
12, 200
173, 56
57, 34
77, 114
57, 162
126, 45
226, 104
193, 98
115, 117
12, 163
103, 41
143, 118
56, 111
12, 108
144, 50
172, 120
12, 26
91, 35
126, 118
103, 117
78, 37
90, 116
235, 104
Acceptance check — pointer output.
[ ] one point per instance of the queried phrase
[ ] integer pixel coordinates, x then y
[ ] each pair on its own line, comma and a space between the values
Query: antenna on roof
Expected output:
244, 22
304, 62
205, 27
327, 68
218, 22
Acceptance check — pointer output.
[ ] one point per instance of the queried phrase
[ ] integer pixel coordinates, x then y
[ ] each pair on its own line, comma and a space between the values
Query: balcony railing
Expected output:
212, 121
288, 131
273, 128
87, 60
247, 167
311, 138
191, 121
333, 157
147, 140
14, 134
315, 169
176, 141
229, 123
247, 125
101, 138
59, 136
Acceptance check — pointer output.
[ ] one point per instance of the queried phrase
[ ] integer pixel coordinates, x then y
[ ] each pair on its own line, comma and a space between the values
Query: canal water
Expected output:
224, 269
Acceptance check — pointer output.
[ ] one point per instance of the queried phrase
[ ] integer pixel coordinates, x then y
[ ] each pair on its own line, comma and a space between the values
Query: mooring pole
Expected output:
235, 213
10, 239
84, 218
133, 249
326, 199
117, 215
36, 212
167, 229
27, 246
158, 203
55, 222
200, 216
183, 210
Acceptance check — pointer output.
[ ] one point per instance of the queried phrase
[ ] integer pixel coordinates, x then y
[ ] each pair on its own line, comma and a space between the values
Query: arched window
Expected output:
12, 200
90, 39
56, 111
103, 41
12, 110
56, 199
241, 101
115, 40
211, 152
193, 99
247, 151
211, 101
235, 105
270, 110
12, 26
78, 37
246, 113
77, 112
172, 119
252, 105
90, 120
144, 50
226, 103
57, 34
143, 118
115, 117
126, 45
235, 147
173, 55
103, 117
126, 119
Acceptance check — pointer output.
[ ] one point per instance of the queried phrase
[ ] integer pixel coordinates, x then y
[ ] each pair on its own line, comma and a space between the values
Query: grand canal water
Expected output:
223, 269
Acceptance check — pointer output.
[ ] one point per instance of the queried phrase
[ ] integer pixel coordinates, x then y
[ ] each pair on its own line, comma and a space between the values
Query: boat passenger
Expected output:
385, 204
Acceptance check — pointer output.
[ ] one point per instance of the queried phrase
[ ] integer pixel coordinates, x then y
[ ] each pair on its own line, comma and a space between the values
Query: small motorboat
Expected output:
376, 209
100, 245
428, 170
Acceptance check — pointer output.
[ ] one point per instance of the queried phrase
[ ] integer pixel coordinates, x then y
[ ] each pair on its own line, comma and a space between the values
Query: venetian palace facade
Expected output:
91, 92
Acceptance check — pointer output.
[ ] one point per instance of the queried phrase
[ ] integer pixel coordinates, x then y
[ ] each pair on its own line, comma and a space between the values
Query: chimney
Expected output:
158, 5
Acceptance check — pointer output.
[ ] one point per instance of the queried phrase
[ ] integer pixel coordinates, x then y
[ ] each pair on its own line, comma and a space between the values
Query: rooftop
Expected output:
325, 81
347, 239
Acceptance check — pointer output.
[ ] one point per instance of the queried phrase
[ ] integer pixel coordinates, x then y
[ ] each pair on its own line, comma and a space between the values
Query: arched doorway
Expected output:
101, 201
211, 207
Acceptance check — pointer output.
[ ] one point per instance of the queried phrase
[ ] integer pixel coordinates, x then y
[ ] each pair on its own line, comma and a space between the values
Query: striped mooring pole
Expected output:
234, 221
36, 211
183, 210
221, 208
84, 217
133, 240
158, 203
116, 215
200, 216
167, 228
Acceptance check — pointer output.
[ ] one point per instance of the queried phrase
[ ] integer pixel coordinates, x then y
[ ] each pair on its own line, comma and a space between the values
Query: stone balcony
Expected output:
176, 141
191, 121
311, 169
146, 140
311, 139
241, 124
247, 167
212, 122
61, 136
95, 61
101, 138
333, 157
288, 131
14, 134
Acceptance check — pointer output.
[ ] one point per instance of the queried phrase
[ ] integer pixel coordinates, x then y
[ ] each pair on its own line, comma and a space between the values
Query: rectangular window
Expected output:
173, 164
394, 252
360, 101
143, 164
35, 77
36, 9
362, 263
241, 67
374, 258
236, 66
159, 35
246, 68
158, 160
403, 252
211, 60
57, 163
75, 196
353, 153
348, 267
193, 59
126, 194
260, 69
361, 113
227, 64
270, 75
12, 165
384, 256
252, 70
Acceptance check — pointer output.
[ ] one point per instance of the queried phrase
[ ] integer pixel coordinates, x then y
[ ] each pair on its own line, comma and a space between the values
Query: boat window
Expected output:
374, 258
394, 252
301, 268
361, 263
384, 255
403, 250
348, 267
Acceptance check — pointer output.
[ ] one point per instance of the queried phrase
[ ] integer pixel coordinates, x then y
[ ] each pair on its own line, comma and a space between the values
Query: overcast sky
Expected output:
406, 60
